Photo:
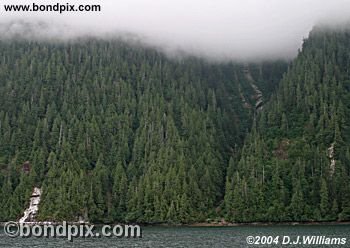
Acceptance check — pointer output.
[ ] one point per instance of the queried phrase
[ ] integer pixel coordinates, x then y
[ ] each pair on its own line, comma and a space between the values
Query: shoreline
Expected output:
198, 224
289, 223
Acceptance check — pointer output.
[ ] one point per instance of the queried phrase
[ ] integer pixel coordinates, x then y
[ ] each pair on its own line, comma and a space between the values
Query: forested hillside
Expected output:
119, 132
112, 131
295, 163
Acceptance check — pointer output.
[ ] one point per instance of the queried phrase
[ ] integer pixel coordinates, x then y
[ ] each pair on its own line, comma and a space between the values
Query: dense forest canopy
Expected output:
295, 163
116, 132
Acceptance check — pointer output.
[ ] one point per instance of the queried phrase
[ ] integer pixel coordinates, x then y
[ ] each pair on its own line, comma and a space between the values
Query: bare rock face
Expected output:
31, 212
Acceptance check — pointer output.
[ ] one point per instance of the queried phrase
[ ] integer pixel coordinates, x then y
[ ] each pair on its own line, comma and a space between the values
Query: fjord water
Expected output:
200, 237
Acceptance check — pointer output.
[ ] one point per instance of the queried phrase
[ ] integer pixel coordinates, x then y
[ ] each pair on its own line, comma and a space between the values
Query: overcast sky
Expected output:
234, 29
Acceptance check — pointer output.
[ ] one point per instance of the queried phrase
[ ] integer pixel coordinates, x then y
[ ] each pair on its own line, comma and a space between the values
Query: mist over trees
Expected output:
295, 162
121, 133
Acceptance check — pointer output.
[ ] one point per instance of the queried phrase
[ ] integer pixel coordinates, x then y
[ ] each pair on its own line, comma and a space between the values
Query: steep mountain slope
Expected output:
295, 164
118, 132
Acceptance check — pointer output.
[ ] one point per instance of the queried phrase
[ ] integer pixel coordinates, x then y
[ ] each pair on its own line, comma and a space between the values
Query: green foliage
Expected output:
121, 133
116, 132
298, 151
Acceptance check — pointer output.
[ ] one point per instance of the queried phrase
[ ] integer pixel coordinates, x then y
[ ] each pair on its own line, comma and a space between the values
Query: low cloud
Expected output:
222, 29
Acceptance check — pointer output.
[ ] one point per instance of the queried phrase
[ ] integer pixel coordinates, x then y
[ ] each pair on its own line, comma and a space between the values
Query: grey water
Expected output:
201, 237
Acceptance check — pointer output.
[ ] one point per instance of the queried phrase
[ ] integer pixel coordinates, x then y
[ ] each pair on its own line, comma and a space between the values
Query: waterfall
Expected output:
31, 212
258, 94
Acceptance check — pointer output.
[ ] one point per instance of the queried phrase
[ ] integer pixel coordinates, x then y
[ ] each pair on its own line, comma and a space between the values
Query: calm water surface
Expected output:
201, 237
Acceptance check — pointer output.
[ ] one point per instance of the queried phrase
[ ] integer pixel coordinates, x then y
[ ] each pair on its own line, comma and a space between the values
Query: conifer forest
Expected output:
117, 132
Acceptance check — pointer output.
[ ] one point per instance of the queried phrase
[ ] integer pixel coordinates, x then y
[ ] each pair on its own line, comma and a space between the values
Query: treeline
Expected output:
119, 132
116, 132
295, 163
